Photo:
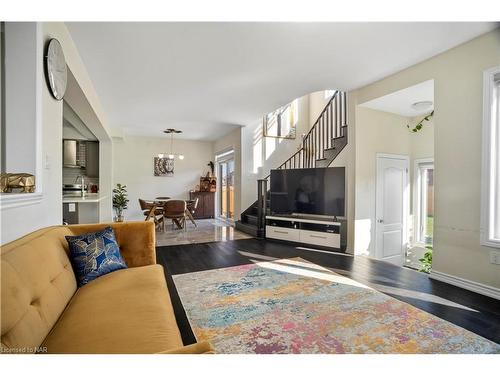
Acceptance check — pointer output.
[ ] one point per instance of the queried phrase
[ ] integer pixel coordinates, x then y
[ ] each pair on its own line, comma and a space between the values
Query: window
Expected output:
282, 122
329, 94
424, 201
490, 197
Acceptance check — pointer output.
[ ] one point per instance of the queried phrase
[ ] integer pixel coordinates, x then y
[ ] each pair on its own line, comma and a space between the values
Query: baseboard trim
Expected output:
466, 284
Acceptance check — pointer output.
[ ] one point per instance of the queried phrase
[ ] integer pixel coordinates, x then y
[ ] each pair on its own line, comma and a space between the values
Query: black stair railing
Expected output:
329, 125
261, 202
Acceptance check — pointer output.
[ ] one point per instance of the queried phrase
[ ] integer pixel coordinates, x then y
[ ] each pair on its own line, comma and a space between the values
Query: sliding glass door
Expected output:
225, 171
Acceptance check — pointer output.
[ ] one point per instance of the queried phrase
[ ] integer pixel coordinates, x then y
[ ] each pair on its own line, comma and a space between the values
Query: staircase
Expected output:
320, 146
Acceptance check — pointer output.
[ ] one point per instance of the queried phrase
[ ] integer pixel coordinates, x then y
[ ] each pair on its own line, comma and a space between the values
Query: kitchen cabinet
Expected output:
70, 213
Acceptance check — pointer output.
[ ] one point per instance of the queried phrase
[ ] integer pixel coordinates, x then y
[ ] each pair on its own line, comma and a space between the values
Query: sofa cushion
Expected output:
95, 254
126, 311
37, 283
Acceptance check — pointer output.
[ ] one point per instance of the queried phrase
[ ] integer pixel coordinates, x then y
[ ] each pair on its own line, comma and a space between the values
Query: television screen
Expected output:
316, 191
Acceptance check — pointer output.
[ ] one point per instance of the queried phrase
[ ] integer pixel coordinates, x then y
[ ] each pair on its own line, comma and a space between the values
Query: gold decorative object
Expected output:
208, 184
23, 181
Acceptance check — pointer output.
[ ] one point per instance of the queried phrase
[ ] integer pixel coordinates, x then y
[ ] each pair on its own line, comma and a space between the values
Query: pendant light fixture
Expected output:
171, 154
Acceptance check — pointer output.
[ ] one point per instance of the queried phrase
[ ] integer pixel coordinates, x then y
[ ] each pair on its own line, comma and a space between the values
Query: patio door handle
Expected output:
380, 221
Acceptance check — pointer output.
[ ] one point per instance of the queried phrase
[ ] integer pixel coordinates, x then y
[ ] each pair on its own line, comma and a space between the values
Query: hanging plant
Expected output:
419, 126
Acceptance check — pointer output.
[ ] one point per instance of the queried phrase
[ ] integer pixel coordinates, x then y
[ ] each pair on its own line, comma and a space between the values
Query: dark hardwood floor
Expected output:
472, 311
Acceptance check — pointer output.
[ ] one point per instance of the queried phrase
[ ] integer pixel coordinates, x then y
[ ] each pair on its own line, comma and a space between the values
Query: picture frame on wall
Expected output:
163, 166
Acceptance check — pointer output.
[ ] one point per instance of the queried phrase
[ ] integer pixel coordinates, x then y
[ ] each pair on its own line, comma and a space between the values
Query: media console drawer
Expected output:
280, 233
320, 238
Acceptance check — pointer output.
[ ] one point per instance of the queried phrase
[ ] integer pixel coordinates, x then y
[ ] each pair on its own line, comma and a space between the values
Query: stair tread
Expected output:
246, 224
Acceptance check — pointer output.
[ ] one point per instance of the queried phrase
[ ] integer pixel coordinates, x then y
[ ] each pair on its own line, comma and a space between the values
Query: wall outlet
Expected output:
495, 257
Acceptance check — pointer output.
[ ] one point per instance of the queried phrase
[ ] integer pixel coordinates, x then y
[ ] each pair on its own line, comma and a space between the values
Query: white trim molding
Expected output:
417, 203
9, 200
473, 286
490, 174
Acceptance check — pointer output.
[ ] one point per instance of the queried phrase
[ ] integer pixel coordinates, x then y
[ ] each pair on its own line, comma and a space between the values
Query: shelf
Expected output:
305, 229
299, 219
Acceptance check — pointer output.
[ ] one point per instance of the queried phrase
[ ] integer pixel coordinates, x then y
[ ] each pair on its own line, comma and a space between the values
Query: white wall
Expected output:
317, 103
133, 167
458, 86
24, 217
21, 63
261, 154
422, 143
228, 142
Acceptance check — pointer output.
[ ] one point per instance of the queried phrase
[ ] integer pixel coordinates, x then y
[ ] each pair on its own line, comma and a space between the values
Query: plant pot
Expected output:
119, 215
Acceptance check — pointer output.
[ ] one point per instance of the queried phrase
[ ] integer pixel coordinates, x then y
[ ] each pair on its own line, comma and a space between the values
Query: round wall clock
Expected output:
57, 74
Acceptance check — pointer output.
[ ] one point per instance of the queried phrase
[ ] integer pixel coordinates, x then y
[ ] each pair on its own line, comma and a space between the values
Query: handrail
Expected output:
322, 112
308, 134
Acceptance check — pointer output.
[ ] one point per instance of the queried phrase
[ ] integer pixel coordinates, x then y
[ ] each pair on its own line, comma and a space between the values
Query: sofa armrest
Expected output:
203, 347
135, 238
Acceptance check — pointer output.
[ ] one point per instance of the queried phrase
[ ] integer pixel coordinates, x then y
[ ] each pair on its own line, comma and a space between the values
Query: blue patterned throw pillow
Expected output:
95, 254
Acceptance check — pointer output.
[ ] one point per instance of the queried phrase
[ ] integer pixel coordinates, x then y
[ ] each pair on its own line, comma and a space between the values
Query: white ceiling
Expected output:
208, 78
400, 102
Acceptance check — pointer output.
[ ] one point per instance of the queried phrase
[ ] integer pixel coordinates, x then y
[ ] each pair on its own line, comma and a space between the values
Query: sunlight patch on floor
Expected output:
307, 269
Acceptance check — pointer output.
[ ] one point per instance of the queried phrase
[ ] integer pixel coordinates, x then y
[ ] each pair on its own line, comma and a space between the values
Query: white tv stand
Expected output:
304, 229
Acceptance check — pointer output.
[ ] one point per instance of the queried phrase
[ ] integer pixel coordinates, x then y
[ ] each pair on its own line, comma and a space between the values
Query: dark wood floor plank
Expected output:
472, 311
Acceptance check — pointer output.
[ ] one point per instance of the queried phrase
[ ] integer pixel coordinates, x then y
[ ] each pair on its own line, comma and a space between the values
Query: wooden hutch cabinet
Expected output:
206, 204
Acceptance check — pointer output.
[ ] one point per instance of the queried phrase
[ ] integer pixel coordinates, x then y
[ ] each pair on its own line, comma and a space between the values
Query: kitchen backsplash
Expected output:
70, 175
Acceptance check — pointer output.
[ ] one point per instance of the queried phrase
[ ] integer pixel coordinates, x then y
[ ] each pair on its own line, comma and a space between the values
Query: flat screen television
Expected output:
314, 191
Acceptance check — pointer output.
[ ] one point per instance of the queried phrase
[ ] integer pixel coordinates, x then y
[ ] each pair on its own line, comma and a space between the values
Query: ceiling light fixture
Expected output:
171, 154
423, 105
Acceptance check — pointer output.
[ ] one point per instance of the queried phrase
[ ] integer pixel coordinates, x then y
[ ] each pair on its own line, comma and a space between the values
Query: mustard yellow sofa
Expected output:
126, 311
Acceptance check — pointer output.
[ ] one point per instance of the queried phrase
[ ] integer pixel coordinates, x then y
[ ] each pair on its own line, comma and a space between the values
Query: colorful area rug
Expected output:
293, 306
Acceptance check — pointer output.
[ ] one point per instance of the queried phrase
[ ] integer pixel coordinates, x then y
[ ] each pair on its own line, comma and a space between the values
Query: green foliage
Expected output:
120, 200
419, 126
426, 261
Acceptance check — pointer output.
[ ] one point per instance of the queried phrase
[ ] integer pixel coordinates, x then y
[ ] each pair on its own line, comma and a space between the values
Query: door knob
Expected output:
380, 221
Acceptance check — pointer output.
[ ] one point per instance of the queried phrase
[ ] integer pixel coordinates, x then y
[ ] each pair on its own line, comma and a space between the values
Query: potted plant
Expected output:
120, 201
426, 261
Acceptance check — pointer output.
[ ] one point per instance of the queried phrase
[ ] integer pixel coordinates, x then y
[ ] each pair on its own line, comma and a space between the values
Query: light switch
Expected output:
72, 207
47, 162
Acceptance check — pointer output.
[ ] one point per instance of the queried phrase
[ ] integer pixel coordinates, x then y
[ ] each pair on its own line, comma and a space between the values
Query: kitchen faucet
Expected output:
83, 183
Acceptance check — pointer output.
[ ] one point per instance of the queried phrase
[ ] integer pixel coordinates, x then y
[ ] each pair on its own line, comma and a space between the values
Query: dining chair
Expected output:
151, 210
175, 209
191, 209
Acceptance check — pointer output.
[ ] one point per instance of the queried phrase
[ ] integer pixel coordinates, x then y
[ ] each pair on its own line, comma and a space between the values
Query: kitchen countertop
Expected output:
87, 198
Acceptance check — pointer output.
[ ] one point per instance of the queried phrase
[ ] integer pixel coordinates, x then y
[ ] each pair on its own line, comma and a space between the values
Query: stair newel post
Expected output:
261, 203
